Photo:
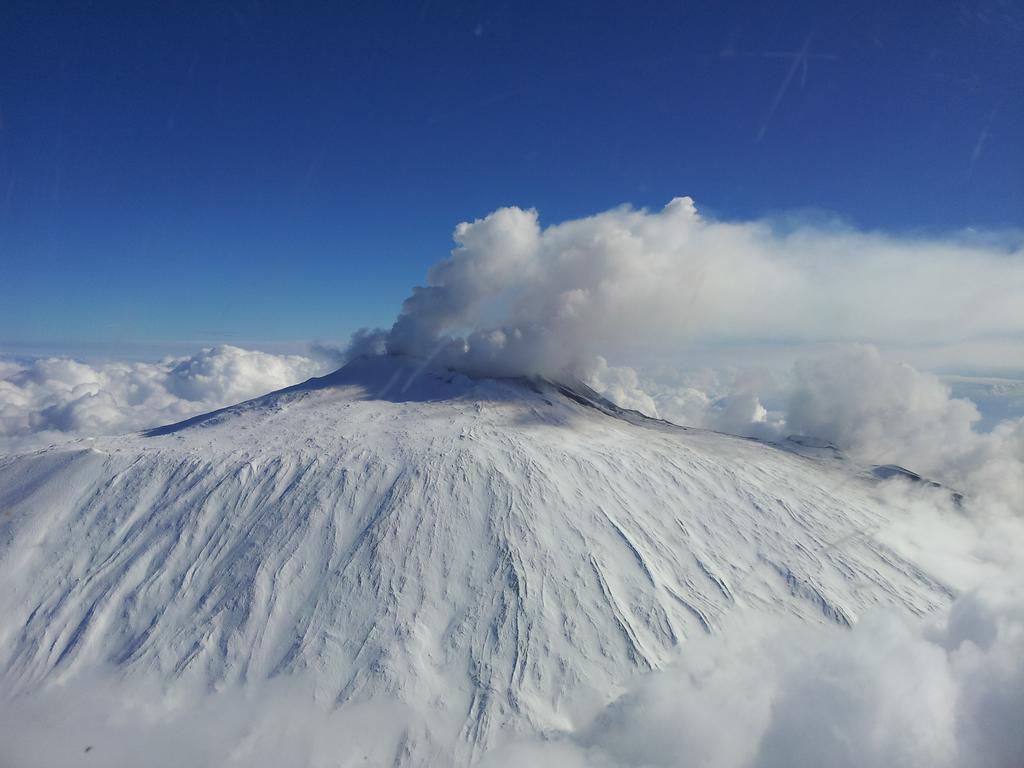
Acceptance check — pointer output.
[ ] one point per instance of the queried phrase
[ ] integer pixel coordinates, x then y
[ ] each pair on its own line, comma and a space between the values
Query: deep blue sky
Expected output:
259, 172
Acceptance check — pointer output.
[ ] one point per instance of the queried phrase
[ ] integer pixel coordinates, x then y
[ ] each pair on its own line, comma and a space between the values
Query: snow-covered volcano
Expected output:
489, 549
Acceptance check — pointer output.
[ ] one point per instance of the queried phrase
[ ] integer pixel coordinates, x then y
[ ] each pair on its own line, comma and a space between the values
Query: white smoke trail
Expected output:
518, 298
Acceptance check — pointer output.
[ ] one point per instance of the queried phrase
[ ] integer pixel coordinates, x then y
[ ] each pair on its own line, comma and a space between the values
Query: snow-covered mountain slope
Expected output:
487, 549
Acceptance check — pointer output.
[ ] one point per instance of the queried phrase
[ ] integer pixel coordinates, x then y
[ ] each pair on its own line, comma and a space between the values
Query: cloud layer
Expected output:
53, 398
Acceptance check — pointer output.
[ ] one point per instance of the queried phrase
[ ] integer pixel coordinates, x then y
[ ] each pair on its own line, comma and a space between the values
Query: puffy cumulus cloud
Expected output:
879, 408
229, 374
515, 297
51, 398
725, 401
884, 411
621, 385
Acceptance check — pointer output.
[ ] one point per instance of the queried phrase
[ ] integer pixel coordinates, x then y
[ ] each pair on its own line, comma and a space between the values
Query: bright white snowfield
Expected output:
495, 551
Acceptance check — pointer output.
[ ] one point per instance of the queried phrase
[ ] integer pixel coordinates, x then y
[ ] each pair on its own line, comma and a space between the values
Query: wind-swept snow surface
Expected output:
492, 551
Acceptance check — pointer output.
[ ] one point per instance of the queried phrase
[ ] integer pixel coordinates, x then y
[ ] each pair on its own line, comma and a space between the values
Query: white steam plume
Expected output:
516, 298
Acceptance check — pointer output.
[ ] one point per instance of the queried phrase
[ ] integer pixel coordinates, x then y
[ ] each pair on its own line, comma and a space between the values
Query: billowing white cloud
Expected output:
725, 401
887, 412
53, 398
515, 297
874, 406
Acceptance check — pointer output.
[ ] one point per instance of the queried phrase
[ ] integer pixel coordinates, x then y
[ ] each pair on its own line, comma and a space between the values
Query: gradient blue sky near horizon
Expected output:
185, 174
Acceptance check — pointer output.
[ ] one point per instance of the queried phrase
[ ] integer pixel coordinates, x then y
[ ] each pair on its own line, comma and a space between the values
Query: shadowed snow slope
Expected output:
490, 550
